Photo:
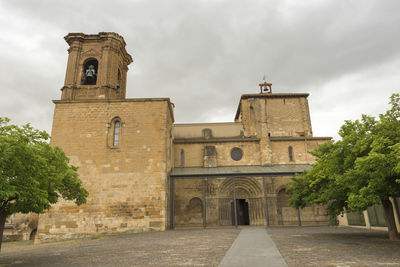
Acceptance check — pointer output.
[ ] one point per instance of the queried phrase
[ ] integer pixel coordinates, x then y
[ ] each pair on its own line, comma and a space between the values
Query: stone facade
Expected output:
129, 150
126, 182
269, 129
126, 177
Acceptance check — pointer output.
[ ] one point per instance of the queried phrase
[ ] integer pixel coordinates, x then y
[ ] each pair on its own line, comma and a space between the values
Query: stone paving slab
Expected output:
335, 246
253, 247
195, 247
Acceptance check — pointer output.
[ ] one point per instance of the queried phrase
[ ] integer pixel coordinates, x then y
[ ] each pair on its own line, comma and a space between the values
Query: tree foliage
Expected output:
358, 171
33, 174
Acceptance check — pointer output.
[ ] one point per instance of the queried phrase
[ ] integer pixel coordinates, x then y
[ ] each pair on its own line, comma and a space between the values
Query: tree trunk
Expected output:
389, 217
3, 217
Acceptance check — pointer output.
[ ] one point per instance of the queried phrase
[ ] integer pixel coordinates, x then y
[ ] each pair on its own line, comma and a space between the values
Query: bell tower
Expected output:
97, 66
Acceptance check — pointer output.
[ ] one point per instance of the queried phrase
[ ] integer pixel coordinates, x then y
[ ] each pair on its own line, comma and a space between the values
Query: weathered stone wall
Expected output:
218, 130
194, 153
288, 116
281, 114
253, 116
300, 150
127, 184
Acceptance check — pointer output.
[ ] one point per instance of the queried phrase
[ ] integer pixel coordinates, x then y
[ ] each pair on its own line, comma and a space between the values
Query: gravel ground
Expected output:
194, 247
335, 246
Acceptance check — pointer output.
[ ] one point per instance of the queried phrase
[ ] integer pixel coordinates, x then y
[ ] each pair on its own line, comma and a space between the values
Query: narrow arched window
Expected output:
119, 79
117, 125
182, 157
290, 151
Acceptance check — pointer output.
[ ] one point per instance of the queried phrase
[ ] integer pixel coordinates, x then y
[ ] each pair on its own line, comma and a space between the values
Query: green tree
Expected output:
358, 171
33, 174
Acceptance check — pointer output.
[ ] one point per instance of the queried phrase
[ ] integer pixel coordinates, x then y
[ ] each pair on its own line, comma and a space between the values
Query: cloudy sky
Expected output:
204, 54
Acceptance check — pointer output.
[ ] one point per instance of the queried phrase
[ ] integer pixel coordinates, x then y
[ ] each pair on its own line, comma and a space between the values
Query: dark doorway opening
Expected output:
242, 211
33, 234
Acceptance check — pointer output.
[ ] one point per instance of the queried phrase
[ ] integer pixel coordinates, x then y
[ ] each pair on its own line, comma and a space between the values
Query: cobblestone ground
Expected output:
335, 246
192, 247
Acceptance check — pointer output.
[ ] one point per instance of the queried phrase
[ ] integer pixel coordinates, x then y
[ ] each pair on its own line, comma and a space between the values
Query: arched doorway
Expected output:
249, 202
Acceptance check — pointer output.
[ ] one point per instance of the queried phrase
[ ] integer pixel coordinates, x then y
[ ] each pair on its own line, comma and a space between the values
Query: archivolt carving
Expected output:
245, 188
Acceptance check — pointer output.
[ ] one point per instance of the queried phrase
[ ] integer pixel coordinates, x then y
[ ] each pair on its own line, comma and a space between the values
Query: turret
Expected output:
97, 66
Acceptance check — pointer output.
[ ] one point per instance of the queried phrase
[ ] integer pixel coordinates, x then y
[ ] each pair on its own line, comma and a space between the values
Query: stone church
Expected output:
144, 172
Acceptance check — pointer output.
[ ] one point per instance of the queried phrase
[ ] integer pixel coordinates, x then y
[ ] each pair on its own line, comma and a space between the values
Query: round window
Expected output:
236, 153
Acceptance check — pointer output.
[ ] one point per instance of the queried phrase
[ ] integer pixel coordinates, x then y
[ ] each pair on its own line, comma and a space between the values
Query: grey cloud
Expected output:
205, 54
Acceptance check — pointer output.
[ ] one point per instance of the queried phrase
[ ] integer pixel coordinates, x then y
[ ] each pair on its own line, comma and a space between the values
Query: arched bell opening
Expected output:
90, 72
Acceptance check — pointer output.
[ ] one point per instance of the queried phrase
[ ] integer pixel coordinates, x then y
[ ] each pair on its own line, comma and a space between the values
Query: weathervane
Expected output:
265, 87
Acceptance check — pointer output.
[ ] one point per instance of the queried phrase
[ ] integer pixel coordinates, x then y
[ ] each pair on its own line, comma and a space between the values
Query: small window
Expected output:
290, 151
117, 125
207, 133
182, 158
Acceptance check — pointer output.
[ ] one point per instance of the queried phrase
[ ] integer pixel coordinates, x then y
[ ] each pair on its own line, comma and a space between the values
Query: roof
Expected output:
240, 171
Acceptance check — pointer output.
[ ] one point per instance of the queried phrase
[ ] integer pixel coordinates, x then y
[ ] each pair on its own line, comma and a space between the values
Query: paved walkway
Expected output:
253, 247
